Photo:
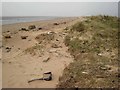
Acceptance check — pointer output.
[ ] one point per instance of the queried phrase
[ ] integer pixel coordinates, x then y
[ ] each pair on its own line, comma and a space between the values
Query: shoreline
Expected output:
42, 19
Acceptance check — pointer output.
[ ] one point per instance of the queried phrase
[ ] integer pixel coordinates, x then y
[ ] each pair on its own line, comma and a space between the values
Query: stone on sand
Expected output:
7, 36
24, 37
32, 27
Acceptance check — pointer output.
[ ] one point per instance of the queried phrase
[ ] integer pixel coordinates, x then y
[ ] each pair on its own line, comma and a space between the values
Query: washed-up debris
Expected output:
46, 76
35, 80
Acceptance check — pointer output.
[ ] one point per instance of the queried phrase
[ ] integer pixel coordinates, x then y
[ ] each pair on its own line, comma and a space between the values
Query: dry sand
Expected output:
19, 67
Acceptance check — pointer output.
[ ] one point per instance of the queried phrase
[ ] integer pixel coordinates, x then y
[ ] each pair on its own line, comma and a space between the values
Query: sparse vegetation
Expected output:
46, 37
78, 27
35, 50
95, 52
67, 40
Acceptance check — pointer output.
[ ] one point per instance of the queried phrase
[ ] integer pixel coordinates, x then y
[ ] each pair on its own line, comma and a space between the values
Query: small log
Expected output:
35, 80
46, 76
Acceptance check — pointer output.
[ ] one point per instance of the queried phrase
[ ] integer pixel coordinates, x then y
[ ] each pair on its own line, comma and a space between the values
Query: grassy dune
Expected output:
94, 45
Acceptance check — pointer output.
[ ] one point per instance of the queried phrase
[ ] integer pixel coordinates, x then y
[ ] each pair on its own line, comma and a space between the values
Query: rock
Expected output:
56, 54
15, 32
24, 37
8, 31
47, 76
8, 49
50, 32
7, 36
9, 62
12, 45
18, 48
83, 51
29, 40
118, 75
64, 34
46, 60
99, 54
66, 28
52, 50
55, 23
104, 68
54, 45
39, 28
57, 40
85, 72
23, 29
32, 27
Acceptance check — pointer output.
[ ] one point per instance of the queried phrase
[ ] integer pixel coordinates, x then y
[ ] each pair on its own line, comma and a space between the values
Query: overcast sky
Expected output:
59, 8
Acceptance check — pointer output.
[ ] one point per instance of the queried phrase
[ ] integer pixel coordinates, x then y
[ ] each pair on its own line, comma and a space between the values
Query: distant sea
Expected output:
12, 20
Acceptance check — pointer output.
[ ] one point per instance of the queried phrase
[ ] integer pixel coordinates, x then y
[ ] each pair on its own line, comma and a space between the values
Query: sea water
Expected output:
12, 20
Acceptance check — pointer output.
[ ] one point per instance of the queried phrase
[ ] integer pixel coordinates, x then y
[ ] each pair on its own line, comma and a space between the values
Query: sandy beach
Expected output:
22, 63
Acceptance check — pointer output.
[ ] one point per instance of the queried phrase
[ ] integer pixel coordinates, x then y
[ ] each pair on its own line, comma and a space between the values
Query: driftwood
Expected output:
34, 80
46, 76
